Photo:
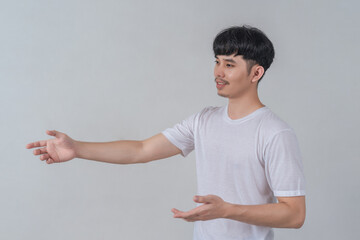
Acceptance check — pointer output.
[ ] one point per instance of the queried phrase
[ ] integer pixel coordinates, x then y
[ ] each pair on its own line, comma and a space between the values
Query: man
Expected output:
246, 156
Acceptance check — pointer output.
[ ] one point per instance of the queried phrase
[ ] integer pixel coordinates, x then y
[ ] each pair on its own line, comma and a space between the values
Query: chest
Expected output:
224, 144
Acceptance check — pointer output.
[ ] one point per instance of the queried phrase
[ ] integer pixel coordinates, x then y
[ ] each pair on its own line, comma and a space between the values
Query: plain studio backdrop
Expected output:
114, 70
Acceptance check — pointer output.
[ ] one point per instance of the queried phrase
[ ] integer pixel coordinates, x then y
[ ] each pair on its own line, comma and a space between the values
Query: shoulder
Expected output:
203, 115
272, 124
208, 112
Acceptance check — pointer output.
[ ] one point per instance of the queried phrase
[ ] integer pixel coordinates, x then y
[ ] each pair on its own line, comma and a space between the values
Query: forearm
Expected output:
120, 152
277, 215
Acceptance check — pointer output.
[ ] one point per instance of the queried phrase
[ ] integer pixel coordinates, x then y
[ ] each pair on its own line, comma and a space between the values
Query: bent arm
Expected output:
289, 212
127, 151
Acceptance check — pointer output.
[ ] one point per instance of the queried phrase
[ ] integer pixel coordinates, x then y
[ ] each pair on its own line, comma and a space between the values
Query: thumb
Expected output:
52, 133
202, 199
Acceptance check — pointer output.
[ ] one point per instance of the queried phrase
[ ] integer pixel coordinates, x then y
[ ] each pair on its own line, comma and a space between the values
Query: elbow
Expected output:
299, 222
140, 155
296, 214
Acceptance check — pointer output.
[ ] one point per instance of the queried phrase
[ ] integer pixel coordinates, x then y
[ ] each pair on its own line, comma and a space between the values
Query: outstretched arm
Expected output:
128, 151
63, 148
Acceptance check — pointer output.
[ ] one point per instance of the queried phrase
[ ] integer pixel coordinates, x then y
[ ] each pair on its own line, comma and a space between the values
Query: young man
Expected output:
246, 156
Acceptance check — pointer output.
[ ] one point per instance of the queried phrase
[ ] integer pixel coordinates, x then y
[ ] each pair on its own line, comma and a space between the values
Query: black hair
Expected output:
249, 42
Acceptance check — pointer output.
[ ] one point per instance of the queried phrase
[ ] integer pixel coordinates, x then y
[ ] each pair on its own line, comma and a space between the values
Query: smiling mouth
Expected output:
220, 82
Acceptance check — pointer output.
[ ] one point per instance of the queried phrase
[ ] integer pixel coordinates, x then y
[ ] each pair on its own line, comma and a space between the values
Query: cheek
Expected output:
235, 77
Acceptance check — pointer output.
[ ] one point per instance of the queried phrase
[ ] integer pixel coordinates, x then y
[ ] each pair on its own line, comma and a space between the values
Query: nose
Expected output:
219, 71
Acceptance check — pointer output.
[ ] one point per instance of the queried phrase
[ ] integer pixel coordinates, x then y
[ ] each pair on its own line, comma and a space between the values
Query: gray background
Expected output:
110, 70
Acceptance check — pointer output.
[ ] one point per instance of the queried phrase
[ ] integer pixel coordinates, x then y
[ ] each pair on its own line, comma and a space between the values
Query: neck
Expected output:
244, 105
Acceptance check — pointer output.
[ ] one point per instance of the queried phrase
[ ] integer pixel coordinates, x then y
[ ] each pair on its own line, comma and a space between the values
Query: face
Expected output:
232, 77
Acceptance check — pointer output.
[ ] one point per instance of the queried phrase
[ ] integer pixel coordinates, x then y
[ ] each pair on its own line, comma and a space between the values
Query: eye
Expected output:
229, 65
216, 61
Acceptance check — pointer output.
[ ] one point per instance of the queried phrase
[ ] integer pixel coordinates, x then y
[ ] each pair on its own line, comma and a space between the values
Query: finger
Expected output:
36, 144
176, 211
50, 161
193, 217
188, 214
40, 151
179, 214
53, 133
204, 199
44, 157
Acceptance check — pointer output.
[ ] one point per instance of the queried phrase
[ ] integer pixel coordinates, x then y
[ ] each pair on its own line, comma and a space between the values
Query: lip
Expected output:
220, 86
221, 81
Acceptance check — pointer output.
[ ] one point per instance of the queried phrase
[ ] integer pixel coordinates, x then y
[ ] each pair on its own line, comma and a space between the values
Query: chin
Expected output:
223, 95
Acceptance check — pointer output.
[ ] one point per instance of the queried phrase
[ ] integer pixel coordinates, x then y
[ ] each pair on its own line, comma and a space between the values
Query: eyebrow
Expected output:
229, 60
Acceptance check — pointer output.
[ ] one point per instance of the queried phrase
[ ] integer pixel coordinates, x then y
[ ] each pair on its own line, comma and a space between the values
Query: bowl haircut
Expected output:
249, 42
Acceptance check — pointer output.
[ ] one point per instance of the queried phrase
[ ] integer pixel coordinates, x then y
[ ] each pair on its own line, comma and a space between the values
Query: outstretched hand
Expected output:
59, 149
213, 207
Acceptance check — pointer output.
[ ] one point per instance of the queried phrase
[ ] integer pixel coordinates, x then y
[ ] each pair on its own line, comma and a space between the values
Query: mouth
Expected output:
220, 81
220, 84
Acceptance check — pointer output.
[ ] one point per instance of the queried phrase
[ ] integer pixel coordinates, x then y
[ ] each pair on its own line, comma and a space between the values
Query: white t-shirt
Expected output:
245, 161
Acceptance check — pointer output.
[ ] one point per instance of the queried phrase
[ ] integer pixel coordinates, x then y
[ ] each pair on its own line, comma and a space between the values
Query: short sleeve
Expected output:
182, 135
283, 164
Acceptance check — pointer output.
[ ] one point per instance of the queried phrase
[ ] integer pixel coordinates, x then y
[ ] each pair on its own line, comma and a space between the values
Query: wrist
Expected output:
233, 211
228, 209
77, 149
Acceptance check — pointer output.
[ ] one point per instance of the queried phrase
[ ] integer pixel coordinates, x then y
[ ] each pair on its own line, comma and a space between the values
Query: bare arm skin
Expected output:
128, 152
289, 212
63, 148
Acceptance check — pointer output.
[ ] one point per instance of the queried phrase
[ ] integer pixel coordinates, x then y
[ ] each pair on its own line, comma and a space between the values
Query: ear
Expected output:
257, 73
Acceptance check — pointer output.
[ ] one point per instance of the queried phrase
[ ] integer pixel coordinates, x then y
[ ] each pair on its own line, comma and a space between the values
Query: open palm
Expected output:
59, 149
